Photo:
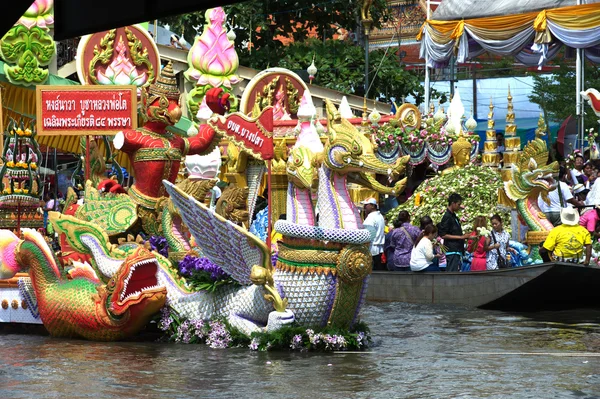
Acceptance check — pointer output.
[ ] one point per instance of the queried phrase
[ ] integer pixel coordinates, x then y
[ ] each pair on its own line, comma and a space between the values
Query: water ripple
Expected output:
420, 352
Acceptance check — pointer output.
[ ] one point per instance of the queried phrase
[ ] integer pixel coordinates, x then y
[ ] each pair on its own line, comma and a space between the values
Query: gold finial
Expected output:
366, 18
491, 122
431, 108
510, 114
542, 128
365, 121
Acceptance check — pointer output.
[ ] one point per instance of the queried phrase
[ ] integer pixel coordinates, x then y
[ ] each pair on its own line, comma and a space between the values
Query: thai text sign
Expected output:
253, 135
78, 110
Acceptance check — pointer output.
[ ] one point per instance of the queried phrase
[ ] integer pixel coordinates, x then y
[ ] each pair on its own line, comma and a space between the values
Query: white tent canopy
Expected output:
450, 10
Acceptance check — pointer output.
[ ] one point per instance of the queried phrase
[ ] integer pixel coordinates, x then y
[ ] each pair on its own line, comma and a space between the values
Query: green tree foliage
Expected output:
341, 67
556, 93
340, 63
258, 21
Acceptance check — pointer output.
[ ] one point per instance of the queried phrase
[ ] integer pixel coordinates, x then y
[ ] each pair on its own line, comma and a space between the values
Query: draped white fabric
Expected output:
576, 38
504, 47
575, 27
437, 52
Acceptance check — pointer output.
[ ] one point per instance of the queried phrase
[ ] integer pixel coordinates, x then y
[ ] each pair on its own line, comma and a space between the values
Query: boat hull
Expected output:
550, 286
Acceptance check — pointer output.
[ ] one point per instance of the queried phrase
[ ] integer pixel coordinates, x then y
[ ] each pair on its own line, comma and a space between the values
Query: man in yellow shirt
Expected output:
567, 241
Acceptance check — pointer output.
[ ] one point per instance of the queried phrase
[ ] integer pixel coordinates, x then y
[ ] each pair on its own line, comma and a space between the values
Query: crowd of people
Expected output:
442, 247
573, 208
424, 246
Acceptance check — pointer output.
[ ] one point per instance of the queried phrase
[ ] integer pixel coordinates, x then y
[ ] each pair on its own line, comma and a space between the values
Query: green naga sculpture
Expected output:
530, 179
80, 307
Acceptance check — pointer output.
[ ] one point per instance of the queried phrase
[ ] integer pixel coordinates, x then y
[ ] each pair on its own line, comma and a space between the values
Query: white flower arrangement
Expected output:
483, 232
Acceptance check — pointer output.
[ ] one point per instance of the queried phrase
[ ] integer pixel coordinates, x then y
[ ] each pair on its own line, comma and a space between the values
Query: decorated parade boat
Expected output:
174, 249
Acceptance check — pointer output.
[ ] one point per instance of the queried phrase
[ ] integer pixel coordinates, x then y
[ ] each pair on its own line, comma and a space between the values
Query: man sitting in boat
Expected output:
566, 242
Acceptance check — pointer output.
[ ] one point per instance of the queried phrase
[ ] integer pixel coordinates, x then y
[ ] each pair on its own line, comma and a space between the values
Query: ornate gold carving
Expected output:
151, 222
409, 115
268, 94
313, 256
4, 304
14, 304
164, 89
292, 95
278, 164
491, 122
541, 130
102, 54
232, 204
320, 270
354, 264
236, 159
142, 199
24, 304
157, 154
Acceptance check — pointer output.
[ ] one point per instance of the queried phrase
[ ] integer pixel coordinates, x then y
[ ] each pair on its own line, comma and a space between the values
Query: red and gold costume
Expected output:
156, 153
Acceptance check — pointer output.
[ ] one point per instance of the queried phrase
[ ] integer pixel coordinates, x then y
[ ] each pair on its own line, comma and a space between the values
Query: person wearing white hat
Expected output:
580, 192
568, 240
375, 223
558, 200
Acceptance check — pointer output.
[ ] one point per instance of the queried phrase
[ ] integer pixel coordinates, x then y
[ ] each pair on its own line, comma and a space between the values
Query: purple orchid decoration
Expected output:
160, 245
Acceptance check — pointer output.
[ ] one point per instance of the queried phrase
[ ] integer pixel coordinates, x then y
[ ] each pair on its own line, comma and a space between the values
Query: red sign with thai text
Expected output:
253, 135
79, 110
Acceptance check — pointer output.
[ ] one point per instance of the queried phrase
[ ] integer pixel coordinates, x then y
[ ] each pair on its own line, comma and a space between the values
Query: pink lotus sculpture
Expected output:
40, 13
212, 59
121, 70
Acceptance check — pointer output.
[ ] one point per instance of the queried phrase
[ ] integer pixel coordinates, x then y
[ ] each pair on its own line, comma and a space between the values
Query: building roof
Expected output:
450, 10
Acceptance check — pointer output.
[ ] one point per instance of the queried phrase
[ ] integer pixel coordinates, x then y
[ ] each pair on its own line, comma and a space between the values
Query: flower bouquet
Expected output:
390, 135
439, 247
202, 274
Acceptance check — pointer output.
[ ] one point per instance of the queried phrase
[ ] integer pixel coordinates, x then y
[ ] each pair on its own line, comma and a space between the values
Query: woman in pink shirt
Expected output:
590, 219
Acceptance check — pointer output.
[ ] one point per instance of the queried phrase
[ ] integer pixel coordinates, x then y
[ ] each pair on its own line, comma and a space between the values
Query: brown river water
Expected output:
419, 351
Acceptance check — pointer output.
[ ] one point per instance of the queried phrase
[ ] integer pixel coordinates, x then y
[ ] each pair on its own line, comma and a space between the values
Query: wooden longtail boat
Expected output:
549, 286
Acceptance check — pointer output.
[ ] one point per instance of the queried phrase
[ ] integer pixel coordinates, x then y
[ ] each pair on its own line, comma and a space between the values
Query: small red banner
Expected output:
78, 110
253, 135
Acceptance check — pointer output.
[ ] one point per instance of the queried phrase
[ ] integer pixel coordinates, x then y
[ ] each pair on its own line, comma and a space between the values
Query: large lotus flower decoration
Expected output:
40, 13
212, 59
121, 70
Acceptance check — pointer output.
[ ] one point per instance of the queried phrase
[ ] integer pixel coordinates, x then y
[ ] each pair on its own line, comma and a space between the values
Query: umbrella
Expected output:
567, 135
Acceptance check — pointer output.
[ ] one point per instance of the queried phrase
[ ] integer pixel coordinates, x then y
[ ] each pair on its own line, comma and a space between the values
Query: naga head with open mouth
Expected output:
348, 150
134, 288
532, 177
